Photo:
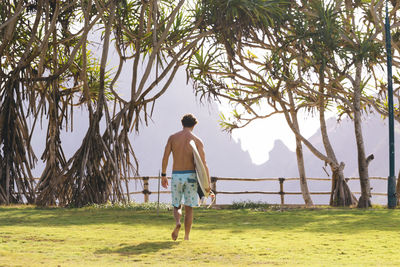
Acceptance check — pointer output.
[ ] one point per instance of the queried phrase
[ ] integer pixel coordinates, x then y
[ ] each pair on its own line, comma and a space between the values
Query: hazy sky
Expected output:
259, 136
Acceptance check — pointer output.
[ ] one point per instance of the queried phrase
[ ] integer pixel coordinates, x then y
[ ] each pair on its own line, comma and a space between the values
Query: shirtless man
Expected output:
184, 181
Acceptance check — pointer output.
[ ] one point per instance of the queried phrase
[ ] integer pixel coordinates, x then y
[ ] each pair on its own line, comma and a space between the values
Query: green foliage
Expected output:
93, 76
150, 206
317, 32
251, 205
132, 32
369, 51
204, 62
226, 124
240, 18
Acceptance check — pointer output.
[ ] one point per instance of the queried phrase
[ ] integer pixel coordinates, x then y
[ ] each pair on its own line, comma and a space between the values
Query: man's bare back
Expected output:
182, 152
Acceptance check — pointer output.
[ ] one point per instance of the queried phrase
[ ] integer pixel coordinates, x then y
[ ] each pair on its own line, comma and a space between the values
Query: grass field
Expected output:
129, 237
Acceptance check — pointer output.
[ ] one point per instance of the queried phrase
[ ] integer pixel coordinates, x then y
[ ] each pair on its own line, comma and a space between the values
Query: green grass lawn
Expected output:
126, 237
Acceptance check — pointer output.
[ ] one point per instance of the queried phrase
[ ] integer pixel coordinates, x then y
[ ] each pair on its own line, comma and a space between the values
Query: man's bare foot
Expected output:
175, 233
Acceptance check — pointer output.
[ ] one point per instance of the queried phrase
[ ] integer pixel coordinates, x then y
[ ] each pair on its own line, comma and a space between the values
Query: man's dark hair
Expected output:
189, 121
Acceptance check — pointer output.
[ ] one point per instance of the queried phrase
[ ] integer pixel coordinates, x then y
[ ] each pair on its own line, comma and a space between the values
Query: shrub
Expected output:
131, 206
250, 205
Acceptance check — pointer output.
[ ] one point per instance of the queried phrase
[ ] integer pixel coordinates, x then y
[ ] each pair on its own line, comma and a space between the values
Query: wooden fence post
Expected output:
281, 192
146, 191
214, 187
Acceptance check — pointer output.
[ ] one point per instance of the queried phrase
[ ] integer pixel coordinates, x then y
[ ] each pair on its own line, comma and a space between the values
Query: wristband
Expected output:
163, 174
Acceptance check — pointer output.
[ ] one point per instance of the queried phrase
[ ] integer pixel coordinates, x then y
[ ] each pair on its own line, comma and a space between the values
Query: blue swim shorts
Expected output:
184, 183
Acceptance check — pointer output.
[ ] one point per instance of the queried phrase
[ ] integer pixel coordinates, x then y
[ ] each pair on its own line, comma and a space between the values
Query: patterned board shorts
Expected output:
184, 183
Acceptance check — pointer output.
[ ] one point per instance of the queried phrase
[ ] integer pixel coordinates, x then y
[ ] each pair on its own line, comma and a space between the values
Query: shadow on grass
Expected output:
325, 220
142, 248
31, 216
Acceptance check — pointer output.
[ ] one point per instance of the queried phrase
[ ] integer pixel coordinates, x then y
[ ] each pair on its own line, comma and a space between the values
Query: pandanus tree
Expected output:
56, 165
19, 48
275, 62
317, 30
162, 38
346, 53
246, 66
40, 54
156, 35
363, 53
47, 65
374, 16
351, 71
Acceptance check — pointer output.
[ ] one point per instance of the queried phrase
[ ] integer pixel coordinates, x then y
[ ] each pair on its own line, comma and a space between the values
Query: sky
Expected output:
259, 136
256, 138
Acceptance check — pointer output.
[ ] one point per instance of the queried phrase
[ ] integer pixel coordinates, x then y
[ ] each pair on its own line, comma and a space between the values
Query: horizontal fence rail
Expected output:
146, 192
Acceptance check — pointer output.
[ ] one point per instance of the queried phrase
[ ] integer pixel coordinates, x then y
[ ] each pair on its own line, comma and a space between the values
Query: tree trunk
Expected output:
299, 155
340, 191
302, 174
89, 180
53, 155
398, 189
365, 199
7, 182
341, 195
16, 155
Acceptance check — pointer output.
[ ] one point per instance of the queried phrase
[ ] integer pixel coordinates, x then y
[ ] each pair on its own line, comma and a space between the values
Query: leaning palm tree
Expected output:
249, 38
317, 30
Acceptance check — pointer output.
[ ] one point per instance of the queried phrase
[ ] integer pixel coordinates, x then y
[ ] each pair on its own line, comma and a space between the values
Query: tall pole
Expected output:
158, 194
391, 179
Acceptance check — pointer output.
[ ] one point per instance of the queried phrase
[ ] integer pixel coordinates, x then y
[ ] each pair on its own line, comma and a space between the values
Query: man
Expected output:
184, 181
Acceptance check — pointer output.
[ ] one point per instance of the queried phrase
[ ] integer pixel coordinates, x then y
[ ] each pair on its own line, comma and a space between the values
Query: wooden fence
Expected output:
146, 192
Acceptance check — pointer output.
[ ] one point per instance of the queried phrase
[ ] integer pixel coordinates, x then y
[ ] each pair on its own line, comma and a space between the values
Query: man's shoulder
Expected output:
197, 140
182, 135
174, 136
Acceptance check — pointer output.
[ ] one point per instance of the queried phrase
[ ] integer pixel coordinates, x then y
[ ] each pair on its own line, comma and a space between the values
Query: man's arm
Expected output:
200, 148
167, 152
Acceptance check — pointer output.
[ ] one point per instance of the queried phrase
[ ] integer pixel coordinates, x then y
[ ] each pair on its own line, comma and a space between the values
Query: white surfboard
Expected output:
201, 171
